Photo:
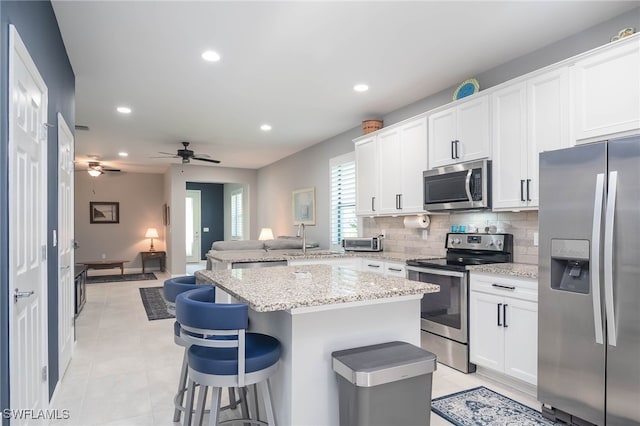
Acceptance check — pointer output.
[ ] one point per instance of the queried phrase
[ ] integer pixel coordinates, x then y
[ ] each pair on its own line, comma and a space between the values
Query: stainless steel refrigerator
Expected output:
589, 283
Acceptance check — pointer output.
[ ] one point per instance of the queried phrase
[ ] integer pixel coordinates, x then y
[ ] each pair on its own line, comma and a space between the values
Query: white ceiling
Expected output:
289, 64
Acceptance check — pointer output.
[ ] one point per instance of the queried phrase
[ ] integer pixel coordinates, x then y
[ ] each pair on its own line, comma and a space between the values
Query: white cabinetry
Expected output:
389, 166
345, 262
527, 118
607, 91
503, 325
384, 267
366, 176
460, 133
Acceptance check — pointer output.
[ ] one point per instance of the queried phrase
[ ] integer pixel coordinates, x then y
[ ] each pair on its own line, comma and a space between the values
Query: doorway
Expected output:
192, 225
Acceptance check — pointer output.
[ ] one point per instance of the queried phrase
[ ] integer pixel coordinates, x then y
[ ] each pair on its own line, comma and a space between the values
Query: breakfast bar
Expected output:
315, 310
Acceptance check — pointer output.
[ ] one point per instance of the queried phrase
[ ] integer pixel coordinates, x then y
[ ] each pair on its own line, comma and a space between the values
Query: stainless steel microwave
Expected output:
464, 186
362, 244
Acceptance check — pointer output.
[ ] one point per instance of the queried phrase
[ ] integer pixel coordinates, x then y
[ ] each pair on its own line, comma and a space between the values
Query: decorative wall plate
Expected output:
468, 87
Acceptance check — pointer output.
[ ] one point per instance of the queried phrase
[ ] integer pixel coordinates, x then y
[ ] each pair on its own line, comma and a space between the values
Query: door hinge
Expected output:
44, 373
44, 252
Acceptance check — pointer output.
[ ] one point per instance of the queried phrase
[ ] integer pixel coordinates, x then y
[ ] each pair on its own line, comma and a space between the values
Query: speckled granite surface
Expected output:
265, 256
287, 287
510, 269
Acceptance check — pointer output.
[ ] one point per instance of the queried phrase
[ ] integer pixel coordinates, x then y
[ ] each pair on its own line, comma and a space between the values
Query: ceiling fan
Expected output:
187, 155
95, 169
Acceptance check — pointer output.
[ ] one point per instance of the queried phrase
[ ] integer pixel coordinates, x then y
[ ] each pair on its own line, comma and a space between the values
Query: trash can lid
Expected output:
382, 363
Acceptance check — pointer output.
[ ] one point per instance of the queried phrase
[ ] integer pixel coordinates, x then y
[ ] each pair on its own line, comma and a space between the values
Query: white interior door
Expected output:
27, 230
192, 223
66, 287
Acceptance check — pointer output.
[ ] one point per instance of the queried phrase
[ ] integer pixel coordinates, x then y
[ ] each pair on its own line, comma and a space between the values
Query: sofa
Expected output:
290, 244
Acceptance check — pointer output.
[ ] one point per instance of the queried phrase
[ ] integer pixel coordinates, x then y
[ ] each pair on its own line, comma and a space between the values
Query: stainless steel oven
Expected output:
444, 316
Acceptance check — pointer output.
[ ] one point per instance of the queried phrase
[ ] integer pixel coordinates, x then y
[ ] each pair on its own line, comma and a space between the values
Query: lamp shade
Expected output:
266, 234
151, 233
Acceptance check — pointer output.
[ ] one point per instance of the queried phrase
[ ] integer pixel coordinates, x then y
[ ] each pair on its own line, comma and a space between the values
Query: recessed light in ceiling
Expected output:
123, 110
123, 154
210, 56
361, 87
265, 127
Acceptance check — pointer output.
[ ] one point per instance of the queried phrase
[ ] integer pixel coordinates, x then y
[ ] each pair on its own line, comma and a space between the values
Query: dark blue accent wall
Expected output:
211, 213
37, 25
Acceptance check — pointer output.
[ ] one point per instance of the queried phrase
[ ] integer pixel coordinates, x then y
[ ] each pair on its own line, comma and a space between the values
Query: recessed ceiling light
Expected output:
265, 127
361, 87
123, 110
210, 56
123, 154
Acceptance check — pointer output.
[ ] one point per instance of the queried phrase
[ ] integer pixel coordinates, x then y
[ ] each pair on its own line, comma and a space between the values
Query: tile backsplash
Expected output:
522, 225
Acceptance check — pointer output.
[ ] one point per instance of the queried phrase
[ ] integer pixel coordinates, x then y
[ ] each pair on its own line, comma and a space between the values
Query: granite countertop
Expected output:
282, 288
521, 270
273, 256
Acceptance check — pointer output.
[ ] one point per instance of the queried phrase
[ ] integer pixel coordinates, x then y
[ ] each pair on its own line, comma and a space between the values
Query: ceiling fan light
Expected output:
94, 172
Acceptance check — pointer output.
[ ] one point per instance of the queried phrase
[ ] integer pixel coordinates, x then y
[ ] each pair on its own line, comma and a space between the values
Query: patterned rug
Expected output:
119, 278
154, 303
482, 406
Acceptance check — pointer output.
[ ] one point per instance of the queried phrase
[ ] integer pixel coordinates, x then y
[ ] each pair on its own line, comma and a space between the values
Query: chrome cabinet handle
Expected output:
395, 269
528, 193
595, 256
505, 287
373, 204
373, 266
499, 306
17, 294
457, 154
522, 190
608, 258
453, 157
504, 315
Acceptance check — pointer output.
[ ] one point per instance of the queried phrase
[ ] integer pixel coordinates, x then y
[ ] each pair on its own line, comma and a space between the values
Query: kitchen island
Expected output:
315, 310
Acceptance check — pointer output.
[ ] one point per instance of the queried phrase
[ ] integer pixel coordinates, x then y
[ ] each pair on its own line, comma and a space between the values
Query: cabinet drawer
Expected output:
395, 269
515, 287
370, 265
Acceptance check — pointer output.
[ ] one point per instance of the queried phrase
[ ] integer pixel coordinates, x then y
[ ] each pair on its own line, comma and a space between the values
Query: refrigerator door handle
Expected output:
595, 258
608, 258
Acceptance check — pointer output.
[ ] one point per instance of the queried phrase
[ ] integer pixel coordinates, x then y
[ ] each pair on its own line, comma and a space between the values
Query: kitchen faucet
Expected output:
302, 232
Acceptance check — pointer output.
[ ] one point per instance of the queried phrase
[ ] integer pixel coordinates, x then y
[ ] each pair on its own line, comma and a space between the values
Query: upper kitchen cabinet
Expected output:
366, 175
606, 88
460, 133
402, 153
528, 117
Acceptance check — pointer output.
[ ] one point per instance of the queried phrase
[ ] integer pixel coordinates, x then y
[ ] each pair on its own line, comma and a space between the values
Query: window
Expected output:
344, 222
236, 214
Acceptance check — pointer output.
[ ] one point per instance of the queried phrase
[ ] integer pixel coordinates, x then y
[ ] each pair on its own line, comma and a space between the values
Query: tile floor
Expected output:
125, 368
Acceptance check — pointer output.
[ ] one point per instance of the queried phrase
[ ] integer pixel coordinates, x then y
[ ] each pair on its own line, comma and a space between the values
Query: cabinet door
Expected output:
366, 176
473, 130
442, 133
486, 337
509, 152
548, 121
607, 91
389, 154
413, 161
521, 340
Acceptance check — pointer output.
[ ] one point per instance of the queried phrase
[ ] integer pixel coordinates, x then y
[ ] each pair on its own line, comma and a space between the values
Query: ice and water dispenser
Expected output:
570, 265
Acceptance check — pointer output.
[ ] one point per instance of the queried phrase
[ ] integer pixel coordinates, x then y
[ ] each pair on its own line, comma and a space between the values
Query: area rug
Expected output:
154, 303
482, 406
94, 279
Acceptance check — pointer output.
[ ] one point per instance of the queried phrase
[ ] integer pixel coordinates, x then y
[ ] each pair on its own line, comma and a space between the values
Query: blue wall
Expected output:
211, 213
38, 28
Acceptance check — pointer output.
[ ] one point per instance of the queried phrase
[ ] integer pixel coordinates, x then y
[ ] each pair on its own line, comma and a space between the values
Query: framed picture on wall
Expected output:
104, 212
304, 206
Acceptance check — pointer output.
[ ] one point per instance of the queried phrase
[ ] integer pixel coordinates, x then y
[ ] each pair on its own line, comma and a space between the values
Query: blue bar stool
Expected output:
232, 358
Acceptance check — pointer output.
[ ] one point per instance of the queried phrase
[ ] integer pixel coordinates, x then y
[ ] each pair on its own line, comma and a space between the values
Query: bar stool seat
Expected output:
233, 357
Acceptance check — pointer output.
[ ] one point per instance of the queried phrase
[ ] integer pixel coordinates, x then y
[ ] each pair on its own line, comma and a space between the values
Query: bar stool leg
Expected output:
268, 404
182, 383
188, 407
244, 406
232, 398
215, 406
202, 398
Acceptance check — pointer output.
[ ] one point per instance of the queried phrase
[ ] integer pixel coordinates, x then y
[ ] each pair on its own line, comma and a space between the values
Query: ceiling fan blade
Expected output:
205, 159
165, 156
167, 153
110, 170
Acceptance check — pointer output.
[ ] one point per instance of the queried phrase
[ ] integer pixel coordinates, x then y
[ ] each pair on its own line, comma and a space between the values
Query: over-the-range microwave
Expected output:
464, 186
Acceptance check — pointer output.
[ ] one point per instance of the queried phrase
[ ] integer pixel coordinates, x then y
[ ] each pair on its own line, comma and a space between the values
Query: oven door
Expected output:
443, 313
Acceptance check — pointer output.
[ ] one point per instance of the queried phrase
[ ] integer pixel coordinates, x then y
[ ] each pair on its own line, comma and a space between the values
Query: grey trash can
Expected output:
384, 384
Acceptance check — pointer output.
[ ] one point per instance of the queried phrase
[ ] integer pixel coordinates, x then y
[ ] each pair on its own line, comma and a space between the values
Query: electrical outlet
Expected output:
104, 256
535, 239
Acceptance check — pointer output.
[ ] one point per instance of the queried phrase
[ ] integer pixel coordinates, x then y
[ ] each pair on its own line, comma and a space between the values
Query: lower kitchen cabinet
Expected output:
503, 325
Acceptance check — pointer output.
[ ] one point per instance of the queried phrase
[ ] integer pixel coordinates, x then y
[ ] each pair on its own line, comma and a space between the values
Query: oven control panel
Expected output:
493, 242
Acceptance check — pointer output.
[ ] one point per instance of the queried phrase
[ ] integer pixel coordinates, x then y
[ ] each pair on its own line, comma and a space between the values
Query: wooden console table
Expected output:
104, 264
161, 256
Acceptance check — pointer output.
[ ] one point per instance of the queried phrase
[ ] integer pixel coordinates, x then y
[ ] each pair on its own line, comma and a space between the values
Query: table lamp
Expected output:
151, 233
266, 234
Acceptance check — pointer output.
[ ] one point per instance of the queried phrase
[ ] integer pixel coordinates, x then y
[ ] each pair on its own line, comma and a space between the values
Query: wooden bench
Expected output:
104, 264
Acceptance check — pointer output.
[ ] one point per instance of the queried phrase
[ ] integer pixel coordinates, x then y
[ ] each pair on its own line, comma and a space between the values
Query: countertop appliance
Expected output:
464, 186
362, 244
444, 316
589, 275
